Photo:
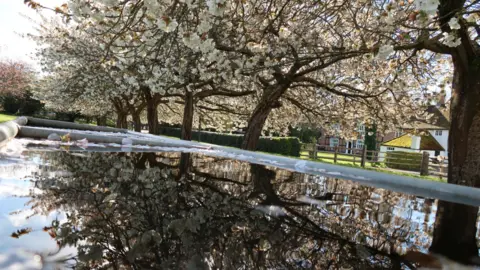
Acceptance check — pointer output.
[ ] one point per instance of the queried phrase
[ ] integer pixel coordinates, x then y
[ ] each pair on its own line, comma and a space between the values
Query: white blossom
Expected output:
453, 23
384, 51
216, 7
428, 6
451, 40
167, 24
284, 32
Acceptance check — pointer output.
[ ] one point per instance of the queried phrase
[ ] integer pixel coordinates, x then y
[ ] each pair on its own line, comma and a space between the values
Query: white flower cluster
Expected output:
384, 51
216, 7
167, 24
428, 6
453, 23
451, 40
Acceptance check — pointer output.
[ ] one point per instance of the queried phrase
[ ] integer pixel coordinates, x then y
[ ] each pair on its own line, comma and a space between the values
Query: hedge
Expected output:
24, 104
288, 146
415, 160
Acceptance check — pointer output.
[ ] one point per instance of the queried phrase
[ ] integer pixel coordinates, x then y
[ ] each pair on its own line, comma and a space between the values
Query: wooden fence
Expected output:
438, 167
425, 165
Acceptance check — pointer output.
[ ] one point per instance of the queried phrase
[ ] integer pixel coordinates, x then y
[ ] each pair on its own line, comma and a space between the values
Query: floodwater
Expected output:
175, 210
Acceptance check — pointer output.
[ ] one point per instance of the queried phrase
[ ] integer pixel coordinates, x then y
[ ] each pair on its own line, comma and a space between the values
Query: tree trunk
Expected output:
464, 135
262, 184
455, 228
152, 116
121, 120
269, 101
101, 121
137, 122
185, 163
187, 124
255, 126
199, 128
455, 231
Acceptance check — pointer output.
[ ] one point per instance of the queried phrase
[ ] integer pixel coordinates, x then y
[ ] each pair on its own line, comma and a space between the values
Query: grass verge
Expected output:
372, 166
6, 117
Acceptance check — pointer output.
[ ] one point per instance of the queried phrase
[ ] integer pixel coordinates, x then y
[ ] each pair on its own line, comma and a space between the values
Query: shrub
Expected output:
23, 104
306, 134
413, 160
288, 146
11, 104
30, 106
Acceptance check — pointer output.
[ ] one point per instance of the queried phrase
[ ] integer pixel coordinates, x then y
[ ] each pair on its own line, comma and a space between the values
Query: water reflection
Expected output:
183, 211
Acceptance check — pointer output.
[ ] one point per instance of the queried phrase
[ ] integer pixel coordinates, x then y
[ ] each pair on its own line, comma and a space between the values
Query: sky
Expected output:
13, 25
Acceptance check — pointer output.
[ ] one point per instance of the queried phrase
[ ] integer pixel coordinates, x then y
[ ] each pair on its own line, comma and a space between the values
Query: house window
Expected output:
438, 132
359, 144
391, 148
361, 128
334, 142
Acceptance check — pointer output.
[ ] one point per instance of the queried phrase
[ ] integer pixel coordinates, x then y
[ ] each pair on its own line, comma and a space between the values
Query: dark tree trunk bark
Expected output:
121, 120
455, 231
101, 121
255, 126
185, 163
262, 184
137, 122
187, 124
269, 101
152, 116
455, 226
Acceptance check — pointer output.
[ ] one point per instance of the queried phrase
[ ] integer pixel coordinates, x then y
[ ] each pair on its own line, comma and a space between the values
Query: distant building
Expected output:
435, 122
346, 146
434, 125
412, 143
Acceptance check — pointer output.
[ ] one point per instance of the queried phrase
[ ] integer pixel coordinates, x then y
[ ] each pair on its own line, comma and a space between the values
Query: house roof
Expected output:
427, 142
433, 118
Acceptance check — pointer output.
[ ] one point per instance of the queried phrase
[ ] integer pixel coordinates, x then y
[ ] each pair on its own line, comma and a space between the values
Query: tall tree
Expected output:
447, 30
15, 77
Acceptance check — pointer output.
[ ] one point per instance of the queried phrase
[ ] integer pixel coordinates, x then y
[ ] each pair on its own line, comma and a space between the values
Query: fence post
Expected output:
315, 149
335, 154
440, 170
424, 165
364, 156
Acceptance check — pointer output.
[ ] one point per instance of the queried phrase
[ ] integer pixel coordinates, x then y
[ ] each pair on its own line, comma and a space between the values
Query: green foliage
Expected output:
288, 146
30, 106
23, 104
67, 116
305, 134
11, 104
412, 161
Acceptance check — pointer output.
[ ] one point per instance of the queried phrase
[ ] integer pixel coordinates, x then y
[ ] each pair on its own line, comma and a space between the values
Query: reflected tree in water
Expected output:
177, 211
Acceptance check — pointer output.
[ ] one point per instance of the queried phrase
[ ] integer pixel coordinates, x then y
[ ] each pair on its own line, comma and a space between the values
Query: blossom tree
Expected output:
14, 77
268, 41
447, 32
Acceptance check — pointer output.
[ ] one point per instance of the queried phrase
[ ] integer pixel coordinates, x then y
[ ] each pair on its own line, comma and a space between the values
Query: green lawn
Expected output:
328, 158
6, 117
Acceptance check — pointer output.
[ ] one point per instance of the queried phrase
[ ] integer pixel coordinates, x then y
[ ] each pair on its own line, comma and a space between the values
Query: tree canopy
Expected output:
263, 65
